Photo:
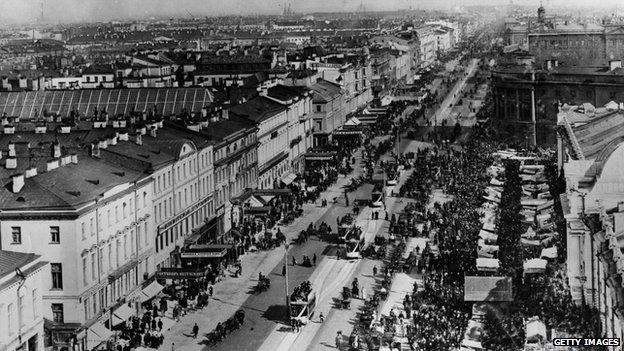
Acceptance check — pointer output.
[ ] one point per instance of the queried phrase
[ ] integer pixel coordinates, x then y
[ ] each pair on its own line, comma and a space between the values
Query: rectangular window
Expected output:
82, 231
57, 313
55, 235
20, 310
93, 267
35, 301
57, 275
16, 234
91, 226
85, 274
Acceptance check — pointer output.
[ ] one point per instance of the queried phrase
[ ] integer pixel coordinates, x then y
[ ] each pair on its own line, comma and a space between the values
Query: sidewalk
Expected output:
231, 293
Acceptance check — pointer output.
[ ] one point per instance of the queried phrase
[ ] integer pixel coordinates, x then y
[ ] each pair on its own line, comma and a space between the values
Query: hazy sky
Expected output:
104, 10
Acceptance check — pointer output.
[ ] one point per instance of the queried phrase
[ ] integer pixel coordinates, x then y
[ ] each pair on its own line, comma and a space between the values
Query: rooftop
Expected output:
10, 261
258, 109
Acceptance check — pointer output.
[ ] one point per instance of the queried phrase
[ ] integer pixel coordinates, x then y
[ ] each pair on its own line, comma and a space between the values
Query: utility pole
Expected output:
286, 283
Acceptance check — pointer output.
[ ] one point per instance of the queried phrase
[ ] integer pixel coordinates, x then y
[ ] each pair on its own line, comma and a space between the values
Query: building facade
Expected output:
23, 279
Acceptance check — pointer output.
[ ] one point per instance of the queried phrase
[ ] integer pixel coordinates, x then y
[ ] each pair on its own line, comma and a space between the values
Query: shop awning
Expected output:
97, 334
150, 291
347, 132
122, 314
487, 264
550, 252
320, 156
535, 265
289, 178
206, 251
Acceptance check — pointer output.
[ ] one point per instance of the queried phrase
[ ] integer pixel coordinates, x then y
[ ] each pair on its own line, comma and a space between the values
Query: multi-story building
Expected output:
96, 218
271, 119
527, 99
591, 151
298, 101
329, 112
352, 73
428, 45
235, 156
24, 277
181, 166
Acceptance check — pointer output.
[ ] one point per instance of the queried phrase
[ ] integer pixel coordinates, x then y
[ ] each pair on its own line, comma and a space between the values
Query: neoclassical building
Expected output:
591, 151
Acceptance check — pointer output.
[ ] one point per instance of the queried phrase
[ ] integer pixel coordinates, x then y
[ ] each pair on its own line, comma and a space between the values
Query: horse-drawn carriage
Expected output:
264, 283
345, 302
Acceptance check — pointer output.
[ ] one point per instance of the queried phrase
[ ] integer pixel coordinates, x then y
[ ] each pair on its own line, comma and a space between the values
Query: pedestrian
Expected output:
338, 340
195, 331
321, 317
294, 261
160, 324
284, 270
363, 293
172, 346
210, 291
374, 271
314, 259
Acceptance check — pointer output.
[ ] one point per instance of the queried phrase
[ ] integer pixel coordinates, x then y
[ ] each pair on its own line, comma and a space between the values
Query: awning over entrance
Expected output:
205, 251
150, 291
289, 178
122, 314
97, 334
320, 156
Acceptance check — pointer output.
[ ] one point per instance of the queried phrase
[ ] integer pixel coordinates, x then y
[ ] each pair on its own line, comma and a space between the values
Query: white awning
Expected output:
550, 252
487, 264
289, 178
150, 291
122, 314
535, 265
97, 334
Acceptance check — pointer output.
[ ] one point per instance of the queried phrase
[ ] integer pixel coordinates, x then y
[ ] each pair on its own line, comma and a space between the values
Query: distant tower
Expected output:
41, 17
541, 12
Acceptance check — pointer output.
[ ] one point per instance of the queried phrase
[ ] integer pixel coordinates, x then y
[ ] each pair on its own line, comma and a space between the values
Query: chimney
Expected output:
225, 114
74, 158
613, 64
54, 164
65, 160
65, 129
56, 150
137, 138
31, 172
40, 130
11, 163
11, 149
9, 129
95, 150
123, 136
153, 131
18, 183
